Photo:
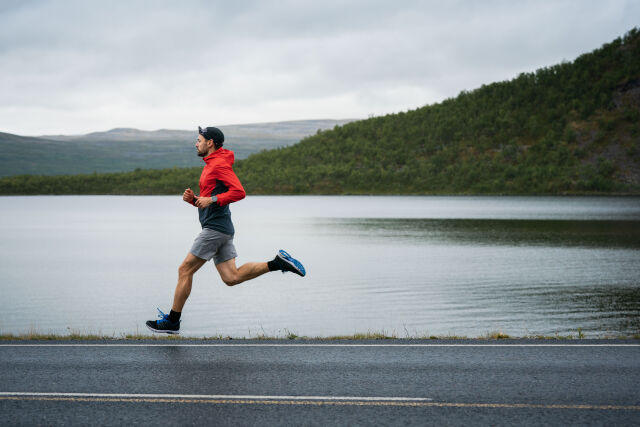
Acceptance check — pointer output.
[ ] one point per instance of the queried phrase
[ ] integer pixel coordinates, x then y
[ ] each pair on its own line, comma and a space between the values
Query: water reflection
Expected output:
608, 309
515, 275
613, 234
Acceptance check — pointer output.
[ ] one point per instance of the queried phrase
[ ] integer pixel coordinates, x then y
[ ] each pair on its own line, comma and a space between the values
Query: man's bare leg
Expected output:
189, 266
231, 275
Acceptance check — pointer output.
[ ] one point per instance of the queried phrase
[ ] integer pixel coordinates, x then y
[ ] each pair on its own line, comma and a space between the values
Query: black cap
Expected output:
212, 133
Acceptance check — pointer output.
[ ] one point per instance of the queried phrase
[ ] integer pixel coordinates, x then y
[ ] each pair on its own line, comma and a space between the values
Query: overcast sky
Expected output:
80, 66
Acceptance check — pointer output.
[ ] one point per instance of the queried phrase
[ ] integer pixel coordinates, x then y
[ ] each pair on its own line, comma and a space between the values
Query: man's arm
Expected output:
235, 190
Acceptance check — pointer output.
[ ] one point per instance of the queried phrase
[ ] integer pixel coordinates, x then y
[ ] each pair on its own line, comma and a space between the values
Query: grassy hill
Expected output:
564, 129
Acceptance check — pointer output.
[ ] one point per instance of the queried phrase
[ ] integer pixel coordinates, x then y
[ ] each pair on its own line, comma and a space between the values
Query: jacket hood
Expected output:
221, 154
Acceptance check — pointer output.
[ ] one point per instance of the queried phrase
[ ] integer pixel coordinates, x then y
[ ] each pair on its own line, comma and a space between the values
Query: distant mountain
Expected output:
127, 149
289, 130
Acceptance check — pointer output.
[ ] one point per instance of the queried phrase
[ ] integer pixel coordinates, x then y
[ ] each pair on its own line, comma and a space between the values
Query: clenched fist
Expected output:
188, 195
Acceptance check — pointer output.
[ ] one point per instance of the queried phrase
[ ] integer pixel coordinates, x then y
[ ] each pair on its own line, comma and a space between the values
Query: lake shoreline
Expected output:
358, 337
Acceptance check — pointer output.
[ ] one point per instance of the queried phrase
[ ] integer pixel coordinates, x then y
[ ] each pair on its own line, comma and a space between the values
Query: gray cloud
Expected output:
77, 66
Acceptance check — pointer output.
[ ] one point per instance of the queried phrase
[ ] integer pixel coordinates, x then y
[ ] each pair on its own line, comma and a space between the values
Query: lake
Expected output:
408, 266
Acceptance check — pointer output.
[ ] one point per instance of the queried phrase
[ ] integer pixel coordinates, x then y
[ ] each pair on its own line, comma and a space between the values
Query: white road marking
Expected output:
213, 396
316, 345
295, 400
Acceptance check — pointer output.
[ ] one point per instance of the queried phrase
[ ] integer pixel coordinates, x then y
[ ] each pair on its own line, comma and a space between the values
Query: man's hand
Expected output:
188, 195
203, 202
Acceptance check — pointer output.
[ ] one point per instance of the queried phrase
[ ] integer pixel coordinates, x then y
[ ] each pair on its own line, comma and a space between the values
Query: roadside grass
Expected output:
287, 334
497, 335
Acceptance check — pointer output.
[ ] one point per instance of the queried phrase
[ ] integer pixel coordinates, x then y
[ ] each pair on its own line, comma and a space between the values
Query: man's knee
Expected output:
230, 276
230, 279
229, 272
183, 269
187, 268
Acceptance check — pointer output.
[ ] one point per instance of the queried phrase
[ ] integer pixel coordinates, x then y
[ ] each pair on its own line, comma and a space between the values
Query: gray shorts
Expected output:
214, 244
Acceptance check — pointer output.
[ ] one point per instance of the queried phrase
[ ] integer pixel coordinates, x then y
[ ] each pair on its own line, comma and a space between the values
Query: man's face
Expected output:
202, 146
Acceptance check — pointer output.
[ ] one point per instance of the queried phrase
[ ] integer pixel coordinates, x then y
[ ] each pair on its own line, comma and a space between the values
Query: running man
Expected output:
219, 186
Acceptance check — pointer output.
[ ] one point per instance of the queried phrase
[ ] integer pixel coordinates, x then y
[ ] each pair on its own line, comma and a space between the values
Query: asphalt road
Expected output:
321, 383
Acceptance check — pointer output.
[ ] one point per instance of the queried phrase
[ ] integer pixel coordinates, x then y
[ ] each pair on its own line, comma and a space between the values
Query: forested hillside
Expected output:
565, 129
572, 127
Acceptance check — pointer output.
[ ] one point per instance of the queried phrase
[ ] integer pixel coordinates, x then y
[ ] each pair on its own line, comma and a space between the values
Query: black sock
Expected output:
174, 316
274, 264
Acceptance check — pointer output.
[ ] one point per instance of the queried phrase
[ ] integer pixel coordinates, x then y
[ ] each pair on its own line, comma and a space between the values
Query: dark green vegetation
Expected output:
566, 129
139, 182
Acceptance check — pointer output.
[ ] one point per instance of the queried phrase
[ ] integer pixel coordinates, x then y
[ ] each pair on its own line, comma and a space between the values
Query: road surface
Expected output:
391, 382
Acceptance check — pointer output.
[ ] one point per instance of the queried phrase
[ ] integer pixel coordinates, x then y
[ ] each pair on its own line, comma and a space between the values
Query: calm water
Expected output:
403, 265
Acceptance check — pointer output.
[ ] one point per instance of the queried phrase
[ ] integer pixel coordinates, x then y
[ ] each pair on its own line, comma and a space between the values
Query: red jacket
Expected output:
218, 170
218, 179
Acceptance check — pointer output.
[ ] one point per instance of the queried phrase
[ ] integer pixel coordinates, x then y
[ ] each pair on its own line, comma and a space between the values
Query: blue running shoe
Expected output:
164, 325
289, 263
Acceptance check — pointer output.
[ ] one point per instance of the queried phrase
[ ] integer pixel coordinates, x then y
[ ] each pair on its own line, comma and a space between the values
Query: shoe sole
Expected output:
294, 263
158, 331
